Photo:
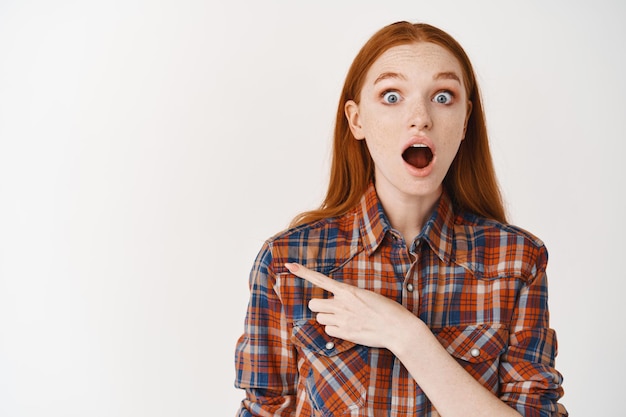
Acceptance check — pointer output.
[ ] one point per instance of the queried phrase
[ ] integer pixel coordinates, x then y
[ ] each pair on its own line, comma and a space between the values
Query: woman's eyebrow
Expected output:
447, 76
388, 75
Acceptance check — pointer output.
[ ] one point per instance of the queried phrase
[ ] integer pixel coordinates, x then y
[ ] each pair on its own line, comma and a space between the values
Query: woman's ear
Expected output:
351, 110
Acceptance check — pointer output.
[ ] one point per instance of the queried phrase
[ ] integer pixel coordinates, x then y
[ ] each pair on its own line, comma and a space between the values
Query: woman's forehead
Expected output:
423, 58
422, 55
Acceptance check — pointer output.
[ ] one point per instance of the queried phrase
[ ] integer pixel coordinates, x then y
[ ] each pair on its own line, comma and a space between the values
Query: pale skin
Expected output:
412, 94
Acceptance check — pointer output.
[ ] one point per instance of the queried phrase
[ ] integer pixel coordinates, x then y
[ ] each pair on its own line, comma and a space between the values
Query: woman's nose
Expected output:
420, 116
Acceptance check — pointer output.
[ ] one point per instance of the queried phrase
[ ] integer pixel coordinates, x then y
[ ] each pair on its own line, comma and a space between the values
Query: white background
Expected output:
147, 148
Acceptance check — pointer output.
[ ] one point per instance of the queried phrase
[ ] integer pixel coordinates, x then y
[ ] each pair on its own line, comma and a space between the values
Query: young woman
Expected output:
406, 293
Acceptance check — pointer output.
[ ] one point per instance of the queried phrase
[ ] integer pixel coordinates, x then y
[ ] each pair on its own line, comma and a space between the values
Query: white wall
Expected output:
147, 148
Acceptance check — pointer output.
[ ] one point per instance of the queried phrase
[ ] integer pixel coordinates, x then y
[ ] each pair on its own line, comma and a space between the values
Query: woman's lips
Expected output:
418, 155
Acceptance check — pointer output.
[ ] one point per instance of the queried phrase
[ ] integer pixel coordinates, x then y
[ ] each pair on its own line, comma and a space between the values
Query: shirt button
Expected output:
409, 287
475, 352
330, 345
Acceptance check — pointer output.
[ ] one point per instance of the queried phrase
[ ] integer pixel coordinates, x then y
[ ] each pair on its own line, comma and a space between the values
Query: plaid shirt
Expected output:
479, 285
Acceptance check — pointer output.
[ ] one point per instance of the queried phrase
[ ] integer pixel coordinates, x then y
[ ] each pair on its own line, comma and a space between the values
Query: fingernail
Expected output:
291, 266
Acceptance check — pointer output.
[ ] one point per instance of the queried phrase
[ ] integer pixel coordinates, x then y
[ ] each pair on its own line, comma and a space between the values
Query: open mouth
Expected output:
418, 155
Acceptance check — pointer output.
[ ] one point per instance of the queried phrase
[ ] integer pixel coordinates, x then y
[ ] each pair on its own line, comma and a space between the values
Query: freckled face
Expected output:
412, 114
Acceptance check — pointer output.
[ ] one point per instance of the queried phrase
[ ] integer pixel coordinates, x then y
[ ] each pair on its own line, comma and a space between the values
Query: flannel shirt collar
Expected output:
373, 224
438, 231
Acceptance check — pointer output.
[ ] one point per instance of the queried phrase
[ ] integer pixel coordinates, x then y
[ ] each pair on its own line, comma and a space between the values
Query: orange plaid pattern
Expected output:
479, 285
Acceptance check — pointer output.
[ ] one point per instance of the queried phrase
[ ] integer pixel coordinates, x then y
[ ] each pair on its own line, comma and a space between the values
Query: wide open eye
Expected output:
443, 97
391, 97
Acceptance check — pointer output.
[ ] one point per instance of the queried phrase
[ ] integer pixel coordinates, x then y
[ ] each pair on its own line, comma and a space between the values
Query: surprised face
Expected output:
412, 114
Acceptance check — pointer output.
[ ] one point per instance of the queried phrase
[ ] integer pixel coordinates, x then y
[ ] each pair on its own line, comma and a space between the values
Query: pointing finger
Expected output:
313, 277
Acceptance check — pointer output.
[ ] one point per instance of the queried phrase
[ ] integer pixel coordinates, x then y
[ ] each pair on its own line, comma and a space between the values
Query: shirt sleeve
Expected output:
529, 382
264, 357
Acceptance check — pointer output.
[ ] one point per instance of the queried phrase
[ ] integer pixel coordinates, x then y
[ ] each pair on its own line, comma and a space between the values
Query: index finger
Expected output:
313, 277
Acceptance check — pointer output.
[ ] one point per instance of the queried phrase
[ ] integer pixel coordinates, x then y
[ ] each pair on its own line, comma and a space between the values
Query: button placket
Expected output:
410, 293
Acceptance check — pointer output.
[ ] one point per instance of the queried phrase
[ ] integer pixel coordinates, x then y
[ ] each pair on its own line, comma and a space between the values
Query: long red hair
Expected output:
470, 182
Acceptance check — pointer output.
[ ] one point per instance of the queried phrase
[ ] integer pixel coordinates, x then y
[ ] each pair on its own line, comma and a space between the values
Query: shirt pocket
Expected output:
336, 371
477, 348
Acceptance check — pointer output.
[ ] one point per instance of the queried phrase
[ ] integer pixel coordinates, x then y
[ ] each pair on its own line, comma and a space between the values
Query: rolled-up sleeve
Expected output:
264, 357
529, 381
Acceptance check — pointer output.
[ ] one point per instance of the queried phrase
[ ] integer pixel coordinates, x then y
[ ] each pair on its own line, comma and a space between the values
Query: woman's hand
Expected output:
355, 314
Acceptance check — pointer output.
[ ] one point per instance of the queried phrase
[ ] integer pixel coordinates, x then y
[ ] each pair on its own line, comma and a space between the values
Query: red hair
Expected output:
470, 182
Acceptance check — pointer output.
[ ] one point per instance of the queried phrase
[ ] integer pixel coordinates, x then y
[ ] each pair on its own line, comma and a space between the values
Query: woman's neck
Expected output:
408, 214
